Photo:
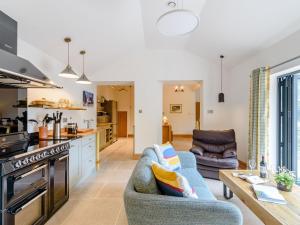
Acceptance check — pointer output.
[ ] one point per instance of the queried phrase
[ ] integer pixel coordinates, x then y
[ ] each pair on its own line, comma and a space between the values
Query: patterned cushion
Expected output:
172, 183
167, 156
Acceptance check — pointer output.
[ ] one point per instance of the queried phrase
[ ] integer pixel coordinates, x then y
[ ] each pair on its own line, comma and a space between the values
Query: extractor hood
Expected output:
17, 72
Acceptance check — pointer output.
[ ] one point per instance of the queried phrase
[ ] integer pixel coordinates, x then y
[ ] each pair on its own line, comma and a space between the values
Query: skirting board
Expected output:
136, 156
183, 135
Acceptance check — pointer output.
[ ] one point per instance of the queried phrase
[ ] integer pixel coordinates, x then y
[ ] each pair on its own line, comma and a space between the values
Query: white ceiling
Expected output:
110, 29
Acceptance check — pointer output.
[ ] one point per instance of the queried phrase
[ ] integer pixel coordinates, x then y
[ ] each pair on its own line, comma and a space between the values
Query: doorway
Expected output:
181, 112
115, 114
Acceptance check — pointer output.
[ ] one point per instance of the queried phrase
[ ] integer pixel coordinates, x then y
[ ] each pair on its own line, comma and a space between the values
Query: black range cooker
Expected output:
34, 178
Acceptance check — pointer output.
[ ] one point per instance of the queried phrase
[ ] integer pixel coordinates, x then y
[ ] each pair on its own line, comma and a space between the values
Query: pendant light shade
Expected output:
68, 72
221, 96
83, 78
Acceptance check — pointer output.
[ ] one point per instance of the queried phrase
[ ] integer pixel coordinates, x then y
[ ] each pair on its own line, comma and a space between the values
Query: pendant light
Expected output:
221, 96
68, 72
83, 78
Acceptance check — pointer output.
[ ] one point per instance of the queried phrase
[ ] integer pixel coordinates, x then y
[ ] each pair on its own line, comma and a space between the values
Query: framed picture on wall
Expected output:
175, 108
88, 98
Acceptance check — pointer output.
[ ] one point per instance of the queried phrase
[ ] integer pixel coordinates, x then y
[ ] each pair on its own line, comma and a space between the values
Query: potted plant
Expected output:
285, 179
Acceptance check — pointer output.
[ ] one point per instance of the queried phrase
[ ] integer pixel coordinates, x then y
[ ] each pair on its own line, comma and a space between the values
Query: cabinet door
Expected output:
88, 156
75, 162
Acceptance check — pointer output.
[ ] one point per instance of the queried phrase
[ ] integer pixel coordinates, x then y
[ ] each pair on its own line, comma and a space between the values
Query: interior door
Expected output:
197, 115
122, 123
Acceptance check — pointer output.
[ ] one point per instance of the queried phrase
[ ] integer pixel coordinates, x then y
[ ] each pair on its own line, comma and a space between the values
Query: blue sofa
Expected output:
145, 205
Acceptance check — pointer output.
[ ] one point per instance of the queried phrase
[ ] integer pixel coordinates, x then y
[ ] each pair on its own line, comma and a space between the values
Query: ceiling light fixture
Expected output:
83, 78
68, 72
179, 88
221, 96
177, 22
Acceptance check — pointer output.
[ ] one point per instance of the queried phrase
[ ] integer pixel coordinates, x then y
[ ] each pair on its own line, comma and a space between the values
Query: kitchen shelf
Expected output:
61, 108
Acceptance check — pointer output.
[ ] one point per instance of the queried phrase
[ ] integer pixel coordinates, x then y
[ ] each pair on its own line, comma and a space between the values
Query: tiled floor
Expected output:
98, 200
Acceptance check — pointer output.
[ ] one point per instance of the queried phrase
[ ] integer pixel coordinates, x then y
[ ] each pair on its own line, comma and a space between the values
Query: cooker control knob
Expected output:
57, 150
44, 154
18, 164
32, 159
25, 161
52, 152
38, 157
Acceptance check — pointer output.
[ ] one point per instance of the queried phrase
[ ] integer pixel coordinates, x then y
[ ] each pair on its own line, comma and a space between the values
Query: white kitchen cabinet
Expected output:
82, 159
88, 155
75, 162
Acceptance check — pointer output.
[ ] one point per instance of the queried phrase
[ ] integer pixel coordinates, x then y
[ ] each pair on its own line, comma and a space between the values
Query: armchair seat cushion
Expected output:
216, 160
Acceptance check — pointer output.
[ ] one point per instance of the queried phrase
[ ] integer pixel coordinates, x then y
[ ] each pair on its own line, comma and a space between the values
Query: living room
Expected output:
248, 99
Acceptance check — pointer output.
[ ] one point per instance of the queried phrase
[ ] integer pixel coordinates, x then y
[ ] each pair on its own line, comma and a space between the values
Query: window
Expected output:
289, 122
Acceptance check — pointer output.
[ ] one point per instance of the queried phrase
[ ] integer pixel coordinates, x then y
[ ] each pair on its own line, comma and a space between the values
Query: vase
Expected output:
283, 187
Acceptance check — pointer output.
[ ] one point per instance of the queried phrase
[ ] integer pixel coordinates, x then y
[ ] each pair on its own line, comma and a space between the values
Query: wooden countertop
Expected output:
80, 133
104, 124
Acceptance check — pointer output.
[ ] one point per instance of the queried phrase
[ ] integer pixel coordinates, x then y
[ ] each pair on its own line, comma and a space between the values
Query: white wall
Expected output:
182, 123
71, 90
239, 79
148, 69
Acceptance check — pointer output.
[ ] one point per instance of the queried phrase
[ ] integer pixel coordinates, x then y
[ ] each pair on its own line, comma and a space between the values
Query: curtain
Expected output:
259, 114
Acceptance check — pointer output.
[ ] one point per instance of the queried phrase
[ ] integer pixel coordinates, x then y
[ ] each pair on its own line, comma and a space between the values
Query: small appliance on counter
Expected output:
72, 128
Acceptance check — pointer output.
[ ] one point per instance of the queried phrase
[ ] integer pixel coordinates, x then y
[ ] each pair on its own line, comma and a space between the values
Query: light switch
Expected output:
140, 111
210, 111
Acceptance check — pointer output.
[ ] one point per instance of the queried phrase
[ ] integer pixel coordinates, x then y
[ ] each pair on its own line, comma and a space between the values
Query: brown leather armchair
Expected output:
214, 150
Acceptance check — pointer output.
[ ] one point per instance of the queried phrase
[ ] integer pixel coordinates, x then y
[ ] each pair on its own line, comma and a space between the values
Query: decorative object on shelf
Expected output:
42, 102
285, 179
175, 108
178, 21
63, 104
179, 88
68, 72
88, 98
221, 96
83, 78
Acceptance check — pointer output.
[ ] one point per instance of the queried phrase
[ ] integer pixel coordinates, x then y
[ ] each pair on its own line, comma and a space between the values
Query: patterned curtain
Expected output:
259, 114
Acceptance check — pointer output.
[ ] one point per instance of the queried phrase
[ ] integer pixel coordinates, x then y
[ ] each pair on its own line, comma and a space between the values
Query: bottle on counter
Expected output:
263, 168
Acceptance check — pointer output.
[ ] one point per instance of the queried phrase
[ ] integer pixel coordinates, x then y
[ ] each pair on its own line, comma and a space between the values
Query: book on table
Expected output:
268, 194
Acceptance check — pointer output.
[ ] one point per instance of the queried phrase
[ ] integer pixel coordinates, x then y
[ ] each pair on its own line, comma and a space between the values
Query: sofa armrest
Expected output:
197, 150
230, 153
187, 159
154, 209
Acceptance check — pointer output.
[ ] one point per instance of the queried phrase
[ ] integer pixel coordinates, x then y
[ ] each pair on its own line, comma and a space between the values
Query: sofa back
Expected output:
142, 177
214, 141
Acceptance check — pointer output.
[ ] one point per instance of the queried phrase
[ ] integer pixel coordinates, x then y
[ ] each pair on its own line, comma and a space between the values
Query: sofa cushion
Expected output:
167, 156
198, 183
172, 183
216, 160
143, 178
229, 153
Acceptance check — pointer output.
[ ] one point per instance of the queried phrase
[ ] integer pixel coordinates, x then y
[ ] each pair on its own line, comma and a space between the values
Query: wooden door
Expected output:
122, 123
198, 115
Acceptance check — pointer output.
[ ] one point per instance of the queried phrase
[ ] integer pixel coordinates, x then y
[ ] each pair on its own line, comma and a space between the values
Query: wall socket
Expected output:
65, 119
210, 111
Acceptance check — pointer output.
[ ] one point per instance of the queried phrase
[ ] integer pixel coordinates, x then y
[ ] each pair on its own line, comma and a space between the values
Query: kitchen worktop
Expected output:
80, 133
104, 124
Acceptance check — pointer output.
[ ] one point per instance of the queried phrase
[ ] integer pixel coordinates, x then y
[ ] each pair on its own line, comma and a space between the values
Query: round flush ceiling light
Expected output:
177, 22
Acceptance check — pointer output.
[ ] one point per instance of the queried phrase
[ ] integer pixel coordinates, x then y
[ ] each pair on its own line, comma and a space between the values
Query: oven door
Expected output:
30, 211
20, 184
59, 181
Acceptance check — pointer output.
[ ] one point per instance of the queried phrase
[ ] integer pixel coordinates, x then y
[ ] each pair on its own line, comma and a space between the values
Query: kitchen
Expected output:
41, 161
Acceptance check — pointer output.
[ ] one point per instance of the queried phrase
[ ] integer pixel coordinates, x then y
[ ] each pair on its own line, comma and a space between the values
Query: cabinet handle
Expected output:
64, 157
